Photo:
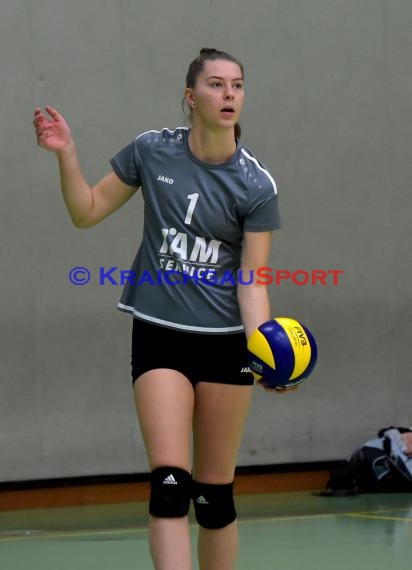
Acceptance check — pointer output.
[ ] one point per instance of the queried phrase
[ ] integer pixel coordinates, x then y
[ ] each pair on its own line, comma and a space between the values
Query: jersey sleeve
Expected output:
262, 211
263, 215
127, 163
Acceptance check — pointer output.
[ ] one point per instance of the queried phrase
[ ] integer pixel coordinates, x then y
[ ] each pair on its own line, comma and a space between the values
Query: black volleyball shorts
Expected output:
218, 358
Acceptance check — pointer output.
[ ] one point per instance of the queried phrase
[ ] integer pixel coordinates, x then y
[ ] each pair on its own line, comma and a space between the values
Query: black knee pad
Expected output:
214, 504
170, 490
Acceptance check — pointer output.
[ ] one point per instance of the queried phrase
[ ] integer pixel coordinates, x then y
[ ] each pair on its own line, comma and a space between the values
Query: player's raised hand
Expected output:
52, 131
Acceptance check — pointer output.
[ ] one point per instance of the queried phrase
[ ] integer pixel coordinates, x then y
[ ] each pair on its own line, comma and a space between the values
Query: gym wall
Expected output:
328, 110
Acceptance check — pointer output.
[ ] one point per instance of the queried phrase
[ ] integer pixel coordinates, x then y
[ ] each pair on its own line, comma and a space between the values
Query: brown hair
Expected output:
198, 65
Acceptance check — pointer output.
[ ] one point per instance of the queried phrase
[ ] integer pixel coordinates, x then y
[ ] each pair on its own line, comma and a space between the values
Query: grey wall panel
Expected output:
329, 96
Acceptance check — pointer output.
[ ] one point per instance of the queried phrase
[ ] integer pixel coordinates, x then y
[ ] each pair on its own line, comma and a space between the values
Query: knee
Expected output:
170, 492
214, 504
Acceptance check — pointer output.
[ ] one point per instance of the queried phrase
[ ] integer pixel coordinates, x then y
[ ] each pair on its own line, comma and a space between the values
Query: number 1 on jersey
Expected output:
193, 199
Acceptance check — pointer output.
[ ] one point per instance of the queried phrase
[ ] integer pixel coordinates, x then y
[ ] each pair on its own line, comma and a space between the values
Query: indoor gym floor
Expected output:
282, 530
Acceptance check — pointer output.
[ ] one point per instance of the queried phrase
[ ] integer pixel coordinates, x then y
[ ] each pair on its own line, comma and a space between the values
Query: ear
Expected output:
190, 98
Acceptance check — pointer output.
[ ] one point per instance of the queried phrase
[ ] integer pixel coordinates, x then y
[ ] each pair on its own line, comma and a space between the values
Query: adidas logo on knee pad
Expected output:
202, 501
169, 480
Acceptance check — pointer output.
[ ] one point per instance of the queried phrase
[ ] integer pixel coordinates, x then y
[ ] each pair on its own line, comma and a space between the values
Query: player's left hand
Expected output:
276, 390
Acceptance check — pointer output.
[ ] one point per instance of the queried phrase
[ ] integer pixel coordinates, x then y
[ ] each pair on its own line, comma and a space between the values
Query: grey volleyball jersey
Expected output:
185, 271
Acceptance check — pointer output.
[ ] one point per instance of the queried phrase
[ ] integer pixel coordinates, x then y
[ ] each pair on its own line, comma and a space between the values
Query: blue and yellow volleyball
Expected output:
282, 353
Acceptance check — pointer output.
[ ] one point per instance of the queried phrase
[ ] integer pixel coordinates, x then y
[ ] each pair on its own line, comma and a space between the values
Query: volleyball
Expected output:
282, 353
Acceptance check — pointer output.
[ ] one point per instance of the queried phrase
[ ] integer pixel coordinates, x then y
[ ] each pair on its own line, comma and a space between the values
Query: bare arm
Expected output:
254, 299
87, 205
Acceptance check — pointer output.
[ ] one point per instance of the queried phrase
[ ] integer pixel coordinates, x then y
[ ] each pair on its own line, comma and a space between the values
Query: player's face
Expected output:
217, 98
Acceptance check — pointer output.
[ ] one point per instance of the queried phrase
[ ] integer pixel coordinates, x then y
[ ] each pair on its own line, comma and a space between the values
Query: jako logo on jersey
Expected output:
162, 178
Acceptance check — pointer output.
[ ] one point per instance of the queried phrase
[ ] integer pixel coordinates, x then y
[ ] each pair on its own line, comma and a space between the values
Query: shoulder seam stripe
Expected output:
165, 129
253, 159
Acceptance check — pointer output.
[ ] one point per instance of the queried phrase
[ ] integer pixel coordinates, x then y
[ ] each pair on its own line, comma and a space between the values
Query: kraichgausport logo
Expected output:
205, 276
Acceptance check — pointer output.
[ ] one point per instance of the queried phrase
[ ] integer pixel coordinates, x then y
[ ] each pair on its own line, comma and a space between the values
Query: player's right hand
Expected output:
52, 131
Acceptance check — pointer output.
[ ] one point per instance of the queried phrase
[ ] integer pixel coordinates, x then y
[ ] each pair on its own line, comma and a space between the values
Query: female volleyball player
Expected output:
210, 208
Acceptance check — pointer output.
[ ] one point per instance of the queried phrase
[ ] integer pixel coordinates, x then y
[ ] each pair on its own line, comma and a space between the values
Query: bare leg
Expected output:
170, 545
220, 414
164, 403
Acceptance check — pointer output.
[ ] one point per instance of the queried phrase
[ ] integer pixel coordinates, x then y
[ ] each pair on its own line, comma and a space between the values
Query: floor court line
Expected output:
36, 534
16, 536
378, 517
